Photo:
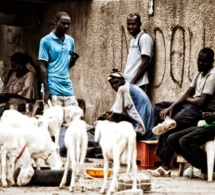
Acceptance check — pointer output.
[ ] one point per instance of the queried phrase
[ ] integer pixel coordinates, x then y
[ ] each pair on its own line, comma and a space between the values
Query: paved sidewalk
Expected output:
164, 186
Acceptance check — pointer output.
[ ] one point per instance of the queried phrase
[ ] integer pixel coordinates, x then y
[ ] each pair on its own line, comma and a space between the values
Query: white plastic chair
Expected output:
210, 150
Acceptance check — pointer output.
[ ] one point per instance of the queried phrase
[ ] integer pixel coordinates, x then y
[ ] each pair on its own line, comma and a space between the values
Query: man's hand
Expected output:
108, 114
46, 97
209, 117
189, 99
74, 57
166, 112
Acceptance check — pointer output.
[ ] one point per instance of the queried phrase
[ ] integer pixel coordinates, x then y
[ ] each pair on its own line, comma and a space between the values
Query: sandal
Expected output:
164, 127
160, 172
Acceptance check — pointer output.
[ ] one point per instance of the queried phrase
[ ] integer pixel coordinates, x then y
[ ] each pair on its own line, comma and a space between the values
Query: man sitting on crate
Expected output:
131, 104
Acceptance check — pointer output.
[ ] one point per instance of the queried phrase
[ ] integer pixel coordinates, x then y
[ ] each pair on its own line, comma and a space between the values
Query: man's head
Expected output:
133, 24
116, 79
62, 21
19, 60
205, 59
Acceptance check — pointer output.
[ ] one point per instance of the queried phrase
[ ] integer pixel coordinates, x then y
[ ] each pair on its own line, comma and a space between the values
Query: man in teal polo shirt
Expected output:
57, 55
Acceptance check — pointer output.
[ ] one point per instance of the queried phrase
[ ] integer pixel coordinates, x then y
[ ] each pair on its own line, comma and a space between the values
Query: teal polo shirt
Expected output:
56, 54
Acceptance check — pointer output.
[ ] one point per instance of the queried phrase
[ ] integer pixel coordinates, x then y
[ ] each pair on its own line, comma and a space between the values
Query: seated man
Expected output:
132, 104
21, 86
188, 142
186, 111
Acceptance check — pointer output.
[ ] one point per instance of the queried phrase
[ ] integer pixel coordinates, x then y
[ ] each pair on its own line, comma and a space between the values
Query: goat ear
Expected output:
71, 114
94, 124
49, 103
97, 134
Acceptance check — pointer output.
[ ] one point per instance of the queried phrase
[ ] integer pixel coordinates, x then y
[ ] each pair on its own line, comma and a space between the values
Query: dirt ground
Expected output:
165, 186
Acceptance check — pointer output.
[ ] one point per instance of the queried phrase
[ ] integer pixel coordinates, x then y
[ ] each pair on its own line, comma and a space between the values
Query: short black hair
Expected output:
135, 15
21, 58
60, 14
208, 51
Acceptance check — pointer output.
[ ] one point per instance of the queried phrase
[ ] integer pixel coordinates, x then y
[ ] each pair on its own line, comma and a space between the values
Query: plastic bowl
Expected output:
97, 172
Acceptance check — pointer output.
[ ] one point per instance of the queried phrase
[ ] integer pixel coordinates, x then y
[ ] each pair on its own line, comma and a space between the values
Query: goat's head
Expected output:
74, 112
25, 175
54, 159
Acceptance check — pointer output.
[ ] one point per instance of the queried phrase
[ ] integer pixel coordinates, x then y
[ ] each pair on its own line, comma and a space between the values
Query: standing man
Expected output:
57, 55
140, 53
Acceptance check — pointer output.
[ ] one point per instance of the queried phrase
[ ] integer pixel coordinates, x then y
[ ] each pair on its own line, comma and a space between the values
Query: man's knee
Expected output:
171, 139
160, 106
184, 142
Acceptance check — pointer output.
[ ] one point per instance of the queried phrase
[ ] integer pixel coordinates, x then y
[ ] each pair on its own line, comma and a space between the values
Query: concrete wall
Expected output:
180, 29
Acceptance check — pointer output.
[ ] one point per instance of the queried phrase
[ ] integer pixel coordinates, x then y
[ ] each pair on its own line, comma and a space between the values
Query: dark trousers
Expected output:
186, 115
188, 143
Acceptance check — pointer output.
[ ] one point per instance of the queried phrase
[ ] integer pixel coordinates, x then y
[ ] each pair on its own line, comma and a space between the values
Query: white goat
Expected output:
13, 118
55, 116
13, 145
76, 141
36, 136
118, 142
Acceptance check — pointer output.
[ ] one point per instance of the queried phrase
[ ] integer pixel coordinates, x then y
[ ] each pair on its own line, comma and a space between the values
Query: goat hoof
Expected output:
4, 184
11, 182
110, 192
102, 191
61, 187
83, 189
71, 189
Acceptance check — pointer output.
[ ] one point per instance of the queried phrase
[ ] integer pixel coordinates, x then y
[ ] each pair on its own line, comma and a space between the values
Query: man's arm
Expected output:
198, 101
209, 117
142, 68
168, 111
44, 77
74, 57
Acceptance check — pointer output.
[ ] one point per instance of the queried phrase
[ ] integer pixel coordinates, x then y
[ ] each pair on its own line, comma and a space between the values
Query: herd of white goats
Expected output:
23, 138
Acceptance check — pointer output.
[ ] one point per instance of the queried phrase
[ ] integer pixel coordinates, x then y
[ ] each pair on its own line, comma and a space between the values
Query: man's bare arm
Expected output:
142, 68
44, 77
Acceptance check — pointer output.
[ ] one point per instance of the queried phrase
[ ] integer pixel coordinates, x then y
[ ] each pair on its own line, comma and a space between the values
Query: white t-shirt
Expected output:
134, 57
205, 84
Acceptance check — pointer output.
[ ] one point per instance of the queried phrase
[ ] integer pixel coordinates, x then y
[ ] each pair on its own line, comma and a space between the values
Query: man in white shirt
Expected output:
140, 53
185, 112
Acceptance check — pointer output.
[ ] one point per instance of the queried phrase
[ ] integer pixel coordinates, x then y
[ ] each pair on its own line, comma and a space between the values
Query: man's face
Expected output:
133, 25
17, 67
204, 62
62, 25
116, 83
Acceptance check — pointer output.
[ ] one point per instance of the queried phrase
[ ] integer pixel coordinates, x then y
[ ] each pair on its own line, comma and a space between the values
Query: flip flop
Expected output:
160, 172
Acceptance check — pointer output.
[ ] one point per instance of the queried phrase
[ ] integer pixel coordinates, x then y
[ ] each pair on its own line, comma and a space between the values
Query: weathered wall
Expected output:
180, 29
